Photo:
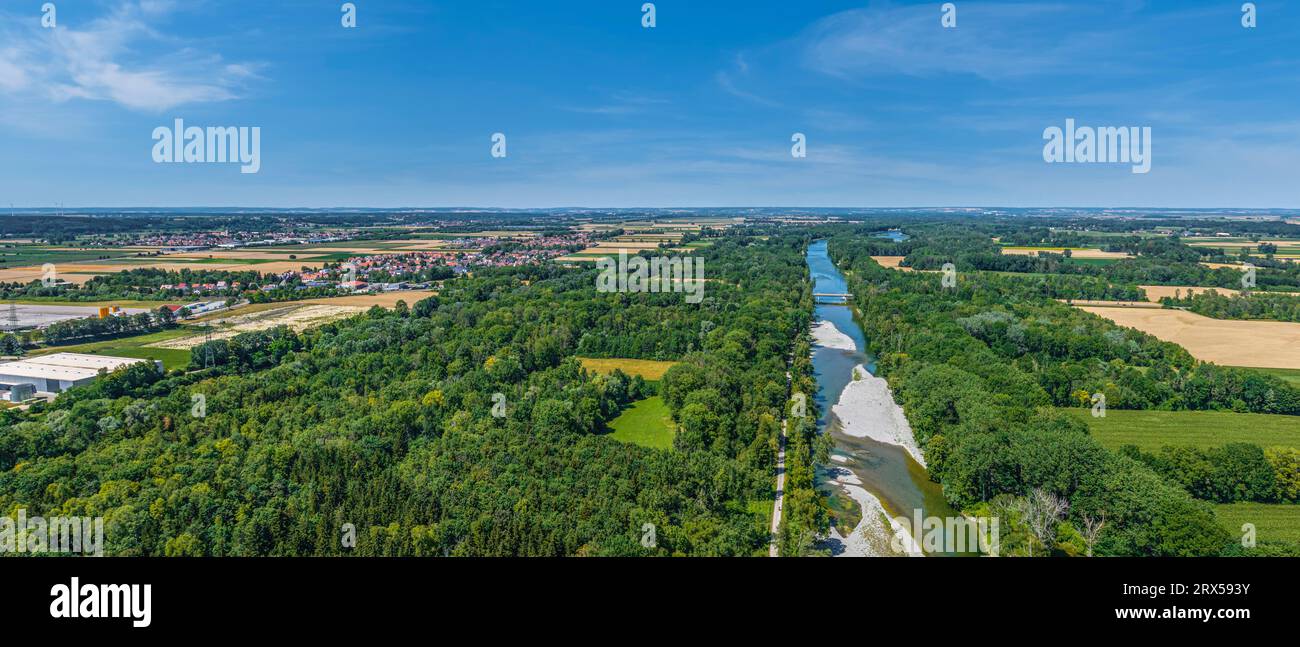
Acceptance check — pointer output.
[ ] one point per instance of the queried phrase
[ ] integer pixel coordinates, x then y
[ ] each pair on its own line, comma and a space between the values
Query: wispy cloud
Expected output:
119, 57
624, 103
992, 41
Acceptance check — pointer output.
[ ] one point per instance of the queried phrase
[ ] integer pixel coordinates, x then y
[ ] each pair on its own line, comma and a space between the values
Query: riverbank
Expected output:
826, 335
876, 534
866, 409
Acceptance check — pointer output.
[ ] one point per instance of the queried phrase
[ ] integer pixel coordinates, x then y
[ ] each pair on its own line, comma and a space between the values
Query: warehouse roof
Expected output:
65, 366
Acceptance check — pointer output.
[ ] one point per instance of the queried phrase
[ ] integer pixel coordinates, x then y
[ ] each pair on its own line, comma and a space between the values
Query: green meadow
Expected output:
1291, 375
646, 423
1273, 521
22, 255
135, 346
1151, 430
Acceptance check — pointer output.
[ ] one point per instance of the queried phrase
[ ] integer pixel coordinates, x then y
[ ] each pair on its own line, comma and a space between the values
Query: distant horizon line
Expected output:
66, 209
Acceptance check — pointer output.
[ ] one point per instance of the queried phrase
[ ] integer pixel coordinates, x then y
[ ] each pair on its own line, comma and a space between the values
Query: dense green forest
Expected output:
386, 421
1162, 260
74, 330
463, 424
980, 368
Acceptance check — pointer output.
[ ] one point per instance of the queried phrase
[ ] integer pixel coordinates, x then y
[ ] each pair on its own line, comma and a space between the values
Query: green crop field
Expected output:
22, 255
1273, 521
1093, 261
1150, 430
646, 423
131, 347
1289, 374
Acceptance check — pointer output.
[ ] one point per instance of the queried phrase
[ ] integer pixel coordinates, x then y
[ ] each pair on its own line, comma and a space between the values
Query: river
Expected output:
866, 476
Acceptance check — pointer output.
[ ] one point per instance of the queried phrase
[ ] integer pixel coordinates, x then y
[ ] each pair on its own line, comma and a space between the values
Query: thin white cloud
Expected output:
993, 41
119, 57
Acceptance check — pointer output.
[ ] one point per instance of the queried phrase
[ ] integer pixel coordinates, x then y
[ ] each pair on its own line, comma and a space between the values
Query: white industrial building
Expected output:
59, 372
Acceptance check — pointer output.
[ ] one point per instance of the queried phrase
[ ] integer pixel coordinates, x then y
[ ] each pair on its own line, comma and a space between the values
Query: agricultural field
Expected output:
1093, 261
646, 423
14, 255
383, 299
1265, 344
1157, 292
76, 265
1273, 521
1151, 430
1075, 252
141, 346
297, 315
1289, 374
123, 303
892, 262
651, 370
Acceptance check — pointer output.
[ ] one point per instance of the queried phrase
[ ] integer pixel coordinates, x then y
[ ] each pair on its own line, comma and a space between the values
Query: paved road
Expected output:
780, 491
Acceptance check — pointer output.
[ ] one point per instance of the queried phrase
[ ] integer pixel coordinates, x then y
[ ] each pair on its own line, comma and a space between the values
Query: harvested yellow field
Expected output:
385, 299
647, 368
1074, 253
1110, 304
891, 262
1263, 344
247, 255
1215, 266
1157, 292
77, 273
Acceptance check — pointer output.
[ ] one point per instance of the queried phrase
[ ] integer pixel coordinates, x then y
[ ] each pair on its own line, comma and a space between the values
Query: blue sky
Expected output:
698, 111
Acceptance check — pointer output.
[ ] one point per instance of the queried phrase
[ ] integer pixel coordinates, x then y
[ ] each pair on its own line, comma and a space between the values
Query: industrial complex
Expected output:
57, 372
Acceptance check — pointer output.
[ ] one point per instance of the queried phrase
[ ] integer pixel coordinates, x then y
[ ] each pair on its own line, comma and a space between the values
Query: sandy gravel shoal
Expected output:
866, 409
826, 335
1264, 344
871, 537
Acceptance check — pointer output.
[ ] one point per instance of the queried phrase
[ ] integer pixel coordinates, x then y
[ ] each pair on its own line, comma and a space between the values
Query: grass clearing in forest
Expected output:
1273, 521
1151, 430
646, 423
135, 346
649, 369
